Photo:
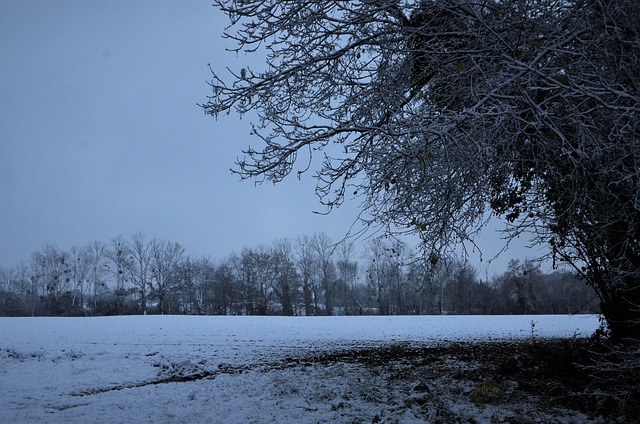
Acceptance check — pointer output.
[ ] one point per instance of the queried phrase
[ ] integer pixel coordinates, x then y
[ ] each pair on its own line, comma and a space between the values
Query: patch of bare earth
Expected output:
518, 382
533, 381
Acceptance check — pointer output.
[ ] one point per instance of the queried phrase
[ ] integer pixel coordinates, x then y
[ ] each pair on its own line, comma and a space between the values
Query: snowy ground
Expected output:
187, 369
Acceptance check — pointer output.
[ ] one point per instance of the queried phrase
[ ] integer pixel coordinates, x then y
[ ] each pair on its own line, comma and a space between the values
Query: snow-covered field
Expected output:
188, 369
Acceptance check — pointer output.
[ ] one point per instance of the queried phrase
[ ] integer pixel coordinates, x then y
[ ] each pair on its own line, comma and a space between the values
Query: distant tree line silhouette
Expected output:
310, 275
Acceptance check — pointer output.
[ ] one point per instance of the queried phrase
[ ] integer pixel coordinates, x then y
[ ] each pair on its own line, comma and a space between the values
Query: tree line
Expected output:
309, 275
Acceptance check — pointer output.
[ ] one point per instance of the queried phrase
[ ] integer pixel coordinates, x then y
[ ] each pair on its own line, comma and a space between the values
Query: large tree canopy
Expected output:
436, 112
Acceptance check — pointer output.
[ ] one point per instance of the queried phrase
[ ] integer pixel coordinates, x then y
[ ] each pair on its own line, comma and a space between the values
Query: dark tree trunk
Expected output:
287, 308
622, 312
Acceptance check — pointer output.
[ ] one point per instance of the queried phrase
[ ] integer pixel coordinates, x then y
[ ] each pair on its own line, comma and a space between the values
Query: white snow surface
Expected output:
124, 369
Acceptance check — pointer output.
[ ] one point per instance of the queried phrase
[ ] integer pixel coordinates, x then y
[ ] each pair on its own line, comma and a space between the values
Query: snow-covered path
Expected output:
108, 369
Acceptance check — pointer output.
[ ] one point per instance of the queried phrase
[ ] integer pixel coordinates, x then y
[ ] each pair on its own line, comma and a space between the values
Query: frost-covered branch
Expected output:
435, 112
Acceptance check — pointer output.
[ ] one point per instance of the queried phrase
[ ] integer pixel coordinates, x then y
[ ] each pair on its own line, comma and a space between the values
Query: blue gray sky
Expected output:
101, 135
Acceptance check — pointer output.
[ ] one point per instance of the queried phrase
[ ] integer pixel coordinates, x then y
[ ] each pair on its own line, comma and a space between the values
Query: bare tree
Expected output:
139, 267
286, 276
464, 291
265, 274
165, 259
305, 263
253, 286
18, 287
395, 257
421, 289
77, 274
119, 254
323, 250
437, 111
347, 270
377, 280
96, 255
385, 275
196, 278
15, 297
222, 287
48, 275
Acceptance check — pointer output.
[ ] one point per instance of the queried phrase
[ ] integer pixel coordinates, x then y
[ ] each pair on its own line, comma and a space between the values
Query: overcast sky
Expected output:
101, 135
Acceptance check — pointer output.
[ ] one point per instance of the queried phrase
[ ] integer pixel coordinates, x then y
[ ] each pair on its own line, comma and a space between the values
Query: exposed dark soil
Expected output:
575, 374
518, 381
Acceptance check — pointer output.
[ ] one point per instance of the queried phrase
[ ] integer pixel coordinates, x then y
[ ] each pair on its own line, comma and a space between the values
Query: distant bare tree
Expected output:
518, 287
78, 269
96, 254
377, 281
464, 293
252, 299
347, 269
395, 256
286, 276
165, 259
305, 264
119, 255
421, 291
138, 265
323, 249
48, 274
196, 275
11, 294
